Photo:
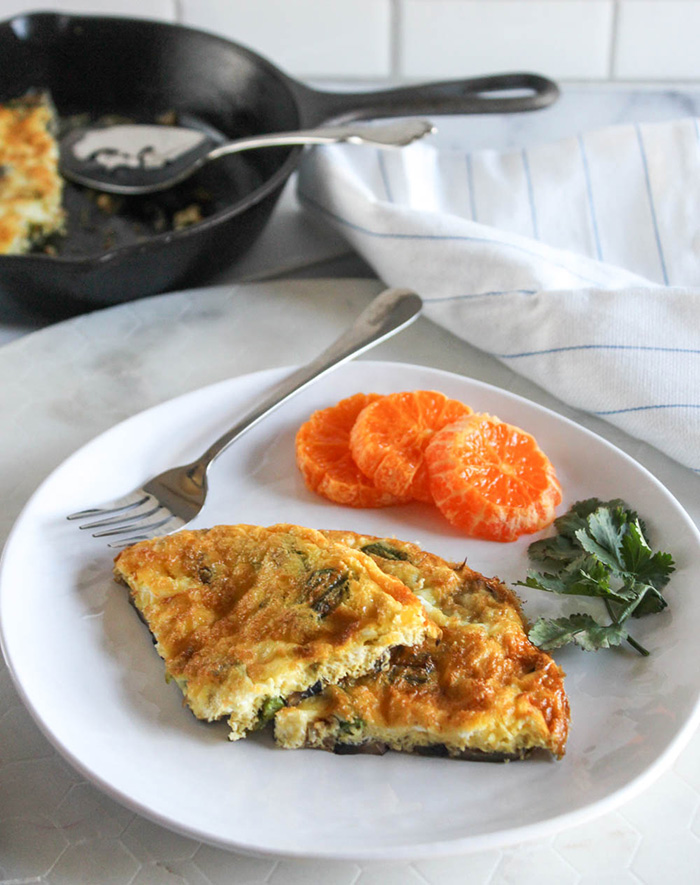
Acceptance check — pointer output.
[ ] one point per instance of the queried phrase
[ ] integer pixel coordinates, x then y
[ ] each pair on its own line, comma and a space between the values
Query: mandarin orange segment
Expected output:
323, 456
491, 479
390, 436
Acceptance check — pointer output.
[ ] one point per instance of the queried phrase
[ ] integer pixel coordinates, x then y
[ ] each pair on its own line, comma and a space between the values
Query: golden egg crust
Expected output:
482, 690
31, 187
245, 616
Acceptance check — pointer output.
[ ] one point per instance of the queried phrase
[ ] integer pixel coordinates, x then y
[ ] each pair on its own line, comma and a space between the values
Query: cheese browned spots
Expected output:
245, 616
482, 689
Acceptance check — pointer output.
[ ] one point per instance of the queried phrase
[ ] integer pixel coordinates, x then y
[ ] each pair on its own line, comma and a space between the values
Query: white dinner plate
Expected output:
86, 668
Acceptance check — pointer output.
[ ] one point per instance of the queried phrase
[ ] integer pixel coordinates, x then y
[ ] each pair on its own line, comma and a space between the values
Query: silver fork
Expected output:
173, 498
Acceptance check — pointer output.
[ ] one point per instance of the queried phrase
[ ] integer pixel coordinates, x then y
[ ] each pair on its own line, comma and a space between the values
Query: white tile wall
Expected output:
447, 38
158, 9
355, 40
310, 38
658, 39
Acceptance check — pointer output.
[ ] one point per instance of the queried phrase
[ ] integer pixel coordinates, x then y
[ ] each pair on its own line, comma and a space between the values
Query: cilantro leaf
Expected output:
603, 534
584, 577
582, 629
648, 567
577, 517
558, 548
651, 601
600, 550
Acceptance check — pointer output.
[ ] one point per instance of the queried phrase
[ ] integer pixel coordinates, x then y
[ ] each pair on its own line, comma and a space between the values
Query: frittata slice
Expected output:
31, 188
481, 691
245, 616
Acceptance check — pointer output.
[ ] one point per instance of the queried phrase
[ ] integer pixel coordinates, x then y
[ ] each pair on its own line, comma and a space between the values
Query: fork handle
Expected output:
391, 311
394, 134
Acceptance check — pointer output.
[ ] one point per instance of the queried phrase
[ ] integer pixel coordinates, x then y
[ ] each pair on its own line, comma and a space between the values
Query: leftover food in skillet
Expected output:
31, 188
40, 212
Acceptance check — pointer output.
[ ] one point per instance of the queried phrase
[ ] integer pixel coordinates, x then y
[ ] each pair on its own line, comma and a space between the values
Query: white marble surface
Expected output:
62, 385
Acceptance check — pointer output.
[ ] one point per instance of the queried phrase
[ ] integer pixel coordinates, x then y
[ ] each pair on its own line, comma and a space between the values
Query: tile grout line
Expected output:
395, 19
614, 34
421, 876
272, 871
31, 881
637, 847
178, 11
359, 874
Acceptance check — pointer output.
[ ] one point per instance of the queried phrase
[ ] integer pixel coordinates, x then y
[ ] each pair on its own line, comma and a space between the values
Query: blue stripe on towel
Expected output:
530, 195
649, 408
470, 183
389, 235
548, 350
650, 196
591, 204
384, 174
446, 298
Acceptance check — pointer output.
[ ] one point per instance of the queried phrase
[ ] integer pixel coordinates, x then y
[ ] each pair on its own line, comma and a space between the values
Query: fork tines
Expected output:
139, 515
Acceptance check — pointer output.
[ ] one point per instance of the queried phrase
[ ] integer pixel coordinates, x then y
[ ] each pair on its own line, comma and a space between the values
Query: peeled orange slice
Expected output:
323, 456
390, 436
491, 479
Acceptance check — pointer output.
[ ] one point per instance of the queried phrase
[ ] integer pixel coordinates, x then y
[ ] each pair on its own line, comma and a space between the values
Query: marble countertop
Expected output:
62, 383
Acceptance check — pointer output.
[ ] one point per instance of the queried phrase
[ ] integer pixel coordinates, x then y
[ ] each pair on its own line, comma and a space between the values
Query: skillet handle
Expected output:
479, 95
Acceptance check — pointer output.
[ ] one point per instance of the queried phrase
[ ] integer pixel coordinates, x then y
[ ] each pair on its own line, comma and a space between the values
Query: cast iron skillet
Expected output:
141, 70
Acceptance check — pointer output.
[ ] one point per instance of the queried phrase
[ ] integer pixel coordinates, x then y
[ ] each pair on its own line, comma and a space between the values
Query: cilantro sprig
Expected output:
601, 551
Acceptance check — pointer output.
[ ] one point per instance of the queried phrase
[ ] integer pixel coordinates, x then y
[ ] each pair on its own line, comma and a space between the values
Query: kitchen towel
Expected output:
577, 263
